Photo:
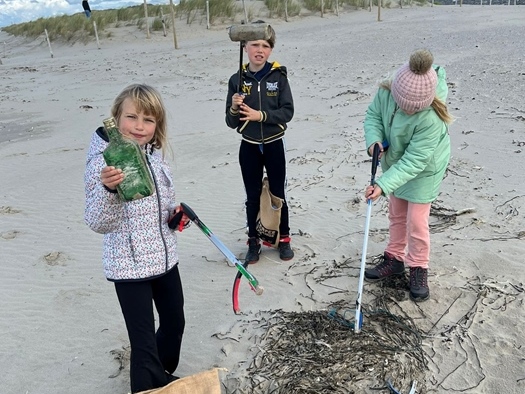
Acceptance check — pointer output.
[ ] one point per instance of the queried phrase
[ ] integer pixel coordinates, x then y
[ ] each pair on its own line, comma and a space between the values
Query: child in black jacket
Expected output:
260, 109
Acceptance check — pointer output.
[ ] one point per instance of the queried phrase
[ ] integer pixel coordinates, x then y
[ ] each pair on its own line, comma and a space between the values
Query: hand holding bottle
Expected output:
111, 177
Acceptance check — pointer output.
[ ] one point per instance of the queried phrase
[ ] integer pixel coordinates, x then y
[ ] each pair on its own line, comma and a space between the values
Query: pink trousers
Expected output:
409, 232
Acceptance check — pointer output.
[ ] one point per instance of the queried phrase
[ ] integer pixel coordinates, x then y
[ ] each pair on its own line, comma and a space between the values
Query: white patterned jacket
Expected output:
138, 244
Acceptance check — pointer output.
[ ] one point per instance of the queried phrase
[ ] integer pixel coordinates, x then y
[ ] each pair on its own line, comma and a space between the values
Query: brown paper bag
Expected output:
206, 382
269, 216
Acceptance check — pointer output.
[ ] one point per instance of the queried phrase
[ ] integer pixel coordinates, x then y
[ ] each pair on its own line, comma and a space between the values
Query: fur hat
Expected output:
414, 85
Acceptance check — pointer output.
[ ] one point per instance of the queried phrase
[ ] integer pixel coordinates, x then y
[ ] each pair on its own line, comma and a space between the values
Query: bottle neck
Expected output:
114, 134
112, 130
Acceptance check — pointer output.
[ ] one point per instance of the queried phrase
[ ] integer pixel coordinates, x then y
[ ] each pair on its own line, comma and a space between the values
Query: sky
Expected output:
18, 11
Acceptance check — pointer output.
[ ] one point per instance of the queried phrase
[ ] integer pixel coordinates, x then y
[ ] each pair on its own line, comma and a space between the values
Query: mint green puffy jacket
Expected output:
419, 145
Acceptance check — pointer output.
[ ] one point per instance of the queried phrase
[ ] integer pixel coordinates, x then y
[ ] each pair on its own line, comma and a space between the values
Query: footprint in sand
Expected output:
10, 234
8, 210
55, 258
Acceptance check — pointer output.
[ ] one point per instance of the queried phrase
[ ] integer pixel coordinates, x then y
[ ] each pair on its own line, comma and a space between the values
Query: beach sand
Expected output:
61, 326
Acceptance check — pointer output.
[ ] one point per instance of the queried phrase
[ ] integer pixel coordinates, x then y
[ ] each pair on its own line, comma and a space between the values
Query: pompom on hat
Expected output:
414, 85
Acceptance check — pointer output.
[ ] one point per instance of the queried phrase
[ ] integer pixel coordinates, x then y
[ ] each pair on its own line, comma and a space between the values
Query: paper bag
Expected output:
206, 382
269, 216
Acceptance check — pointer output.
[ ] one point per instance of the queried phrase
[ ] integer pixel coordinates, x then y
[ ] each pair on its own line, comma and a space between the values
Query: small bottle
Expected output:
126, 154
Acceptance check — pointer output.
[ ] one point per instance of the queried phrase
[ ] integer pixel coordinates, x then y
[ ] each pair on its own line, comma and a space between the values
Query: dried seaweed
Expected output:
319, 352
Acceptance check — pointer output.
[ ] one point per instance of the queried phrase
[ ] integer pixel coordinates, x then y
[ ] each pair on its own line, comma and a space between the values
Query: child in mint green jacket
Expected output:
409, 114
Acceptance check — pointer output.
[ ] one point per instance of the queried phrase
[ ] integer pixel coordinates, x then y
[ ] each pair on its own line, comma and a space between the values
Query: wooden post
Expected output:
207, 15
146, 17
163, 21
173, 24
379, 10
96, 34
337, 7
286, 10
49, 43
322, 8
245, 12
370, 5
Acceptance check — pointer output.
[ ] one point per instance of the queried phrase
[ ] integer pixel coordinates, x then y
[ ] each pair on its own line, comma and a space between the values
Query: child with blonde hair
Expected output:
140, 250
409, 116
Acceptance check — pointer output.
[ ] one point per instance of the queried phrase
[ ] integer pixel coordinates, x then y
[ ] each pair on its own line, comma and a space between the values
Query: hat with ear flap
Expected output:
414, 85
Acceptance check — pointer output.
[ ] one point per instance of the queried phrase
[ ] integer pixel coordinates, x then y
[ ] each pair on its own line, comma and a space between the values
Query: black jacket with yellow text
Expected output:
271, 95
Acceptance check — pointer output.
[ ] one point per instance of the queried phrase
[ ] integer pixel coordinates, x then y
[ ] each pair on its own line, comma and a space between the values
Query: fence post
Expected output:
245, 13
146, 17
163, 21
173, 24
207, 15
96, 33
49, 43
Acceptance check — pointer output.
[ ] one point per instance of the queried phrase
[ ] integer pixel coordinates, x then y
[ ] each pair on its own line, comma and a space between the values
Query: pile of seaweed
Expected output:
320, 352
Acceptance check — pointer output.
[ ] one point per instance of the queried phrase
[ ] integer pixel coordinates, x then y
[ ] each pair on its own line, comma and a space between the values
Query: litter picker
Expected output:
358, 315
254, 283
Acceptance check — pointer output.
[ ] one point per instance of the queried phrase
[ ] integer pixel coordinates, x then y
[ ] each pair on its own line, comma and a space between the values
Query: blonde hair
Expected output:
148, 100
437, 104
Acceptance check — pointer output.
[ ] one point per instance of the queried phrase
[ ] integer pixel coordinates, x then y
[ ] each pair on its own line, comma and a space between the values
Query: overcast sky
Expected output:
17, 11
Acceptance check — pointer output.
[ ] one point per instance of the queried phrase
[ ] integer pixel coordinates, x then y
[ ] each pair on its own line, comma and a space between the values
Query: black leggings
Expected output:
253, 161
153, 353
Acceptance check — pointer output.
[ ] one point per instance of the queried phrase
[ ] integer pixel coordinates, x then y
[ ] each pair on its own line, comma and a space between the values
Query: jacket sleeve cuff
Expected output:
109, 190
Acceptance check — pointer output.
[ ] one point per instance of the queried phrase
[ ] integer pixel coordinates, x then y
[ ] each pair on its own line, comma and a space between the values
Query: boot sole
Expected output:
419, 299
372, 280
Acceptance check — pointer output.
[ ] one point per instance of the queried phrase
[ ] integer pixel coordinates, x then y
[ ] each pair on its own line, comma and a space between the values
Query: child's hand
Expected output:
250, 114
237, 100
373, 192
381, 149
111, 177
179, 219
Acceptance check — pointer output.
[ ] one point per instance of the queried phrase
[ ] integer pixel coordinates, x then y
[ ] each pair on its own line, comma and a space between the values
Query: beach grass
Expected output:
76, 27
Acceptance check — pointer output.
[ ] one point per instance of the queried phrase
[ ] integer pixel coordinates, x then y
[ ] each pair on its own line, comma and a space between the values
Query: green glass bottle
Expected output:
124, 153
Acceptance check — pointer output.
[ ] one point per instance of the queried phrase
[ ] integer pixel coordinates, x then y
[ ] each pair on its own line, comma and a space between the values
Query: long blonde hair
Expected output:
148, 100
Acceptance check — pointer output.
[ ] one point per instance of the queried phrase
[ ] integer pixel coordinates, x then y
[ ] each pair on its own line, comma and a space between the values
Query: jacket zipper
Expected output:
160, 211
260, 107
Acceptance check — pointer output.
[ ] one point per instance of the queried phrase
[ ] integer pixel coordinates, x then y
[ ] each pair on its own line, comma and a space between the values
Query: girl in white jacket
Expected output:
140, 250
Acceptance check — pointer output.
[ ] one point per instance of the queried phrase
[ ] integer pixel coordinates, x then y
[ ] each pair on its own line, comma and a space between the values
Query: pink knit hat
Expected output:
414, 85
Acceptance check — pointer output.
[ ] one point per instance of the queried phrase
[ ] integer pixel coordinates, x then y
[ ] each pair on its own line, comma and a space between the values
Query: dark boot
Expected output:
388, 267
254, 249
285, 250
418, 284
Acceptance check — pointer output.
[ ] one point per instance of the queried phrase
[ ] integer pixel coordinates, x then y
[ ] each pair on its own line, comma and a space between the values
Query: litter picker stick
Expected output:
254, 283
358, 315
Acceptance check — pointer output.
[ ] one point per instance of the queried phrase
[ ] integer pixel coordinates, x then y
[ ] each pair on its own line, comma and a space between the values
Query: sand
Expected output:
61, 326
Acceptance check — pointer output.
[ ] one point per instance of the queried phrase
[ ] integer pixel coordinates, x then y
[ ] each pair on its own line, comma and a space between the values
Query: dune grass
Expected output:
73, 28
